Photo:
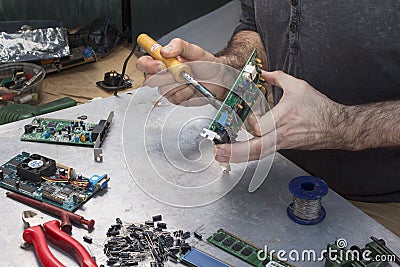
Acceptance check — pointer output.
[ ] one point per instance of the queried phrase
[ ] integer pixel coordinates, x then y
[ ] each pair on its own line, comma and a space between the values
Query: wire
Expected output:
54, 180
306, 209
121, 79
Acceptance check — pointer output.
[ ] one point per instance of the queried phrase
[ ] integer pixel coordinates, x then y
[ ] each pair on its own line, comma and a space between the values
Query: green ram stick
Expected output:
244, 250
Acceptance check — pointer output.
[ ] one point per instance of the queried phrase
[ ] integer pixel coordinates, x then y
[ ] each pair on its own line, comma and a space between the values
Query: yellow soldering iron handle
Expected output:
175, 67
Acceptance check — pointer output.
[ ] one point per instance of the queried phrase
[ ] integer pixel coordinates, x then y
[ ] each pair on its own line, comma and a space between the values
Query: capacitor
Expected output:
149, 223
17, 184
69, 136
83, 127
78, 198
157, 218
185, 235
76, 139
59, 132
1, 174
47, 135
162, 225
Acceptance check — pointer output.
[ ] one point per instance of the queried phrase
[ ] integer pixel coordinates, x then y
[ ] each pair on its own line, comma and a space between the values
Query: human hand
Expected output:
186, 53
304, 118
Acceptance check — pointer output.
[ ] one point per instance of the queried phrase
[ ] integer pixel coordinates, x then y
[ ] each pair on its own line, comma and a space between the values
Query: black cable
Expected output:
121, 79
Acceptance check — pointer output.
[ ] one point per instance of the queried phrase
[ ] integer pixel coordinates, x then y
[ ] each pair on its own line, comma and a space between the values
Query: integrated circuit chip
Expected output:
14, 162
48, 189
246, 251
52, 124
219, 237
9, 181
6, 171
237, 247
28, 188
228, 242
66, 191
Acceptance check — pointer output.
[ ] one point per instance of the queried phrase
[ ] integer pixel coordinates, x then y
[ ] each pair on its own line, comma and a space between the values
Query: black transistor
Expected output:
87, 239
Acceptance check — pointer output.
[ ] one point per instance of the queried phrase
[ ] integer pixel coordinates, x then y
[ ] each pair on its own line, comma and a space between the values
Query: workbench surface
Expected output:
258, 217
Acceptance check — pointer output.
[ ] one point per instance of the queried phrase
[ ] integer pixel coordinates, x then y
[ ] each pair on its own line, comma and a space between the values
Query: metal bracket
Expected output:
97, 151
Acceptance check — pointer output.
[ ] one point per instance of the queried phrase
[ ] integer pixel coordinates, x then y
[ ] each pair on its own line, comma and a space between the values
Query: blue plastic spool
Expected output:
307, 188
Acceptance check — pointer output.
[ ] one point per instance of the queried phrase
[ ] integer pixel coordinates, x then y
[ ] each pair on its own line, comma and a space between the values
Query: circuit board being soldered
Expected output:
237, 104
43, 179
244, 250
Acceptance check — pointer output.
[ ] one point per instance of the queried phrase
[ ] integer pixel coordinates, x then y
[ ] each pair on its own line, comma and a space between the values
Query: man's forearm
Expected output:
240, 47
371, 125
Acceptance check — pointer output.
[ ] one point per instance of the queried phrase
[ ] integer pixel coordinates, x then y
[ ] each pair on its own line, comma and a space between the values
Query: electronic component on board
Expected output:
237, 104
69, 132
43, 179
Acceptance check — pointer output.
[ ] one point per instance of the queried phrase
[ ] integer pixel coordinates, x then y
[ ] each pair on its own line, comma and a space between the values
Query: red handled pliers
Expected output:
36, 233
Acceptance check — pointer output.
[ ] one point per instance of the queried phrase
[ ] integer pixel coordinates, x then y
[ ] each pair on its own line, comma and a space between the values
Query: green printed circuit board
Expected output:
69, 132
237, 104
244, 250
43, 179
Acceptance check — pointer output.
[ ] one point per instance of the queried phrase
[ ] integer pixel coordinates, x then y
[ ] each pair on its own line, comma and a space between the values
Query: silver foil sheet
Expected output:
29, 44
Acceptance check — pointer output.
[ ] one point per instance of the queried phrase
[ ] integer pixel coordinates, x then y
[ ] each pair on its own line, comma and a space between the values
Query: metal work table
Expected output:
259, 217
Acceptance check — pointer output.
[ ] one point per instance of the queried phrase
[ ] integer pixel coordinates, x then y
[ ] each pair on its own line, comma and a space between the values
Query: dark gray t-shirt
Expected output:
350, 51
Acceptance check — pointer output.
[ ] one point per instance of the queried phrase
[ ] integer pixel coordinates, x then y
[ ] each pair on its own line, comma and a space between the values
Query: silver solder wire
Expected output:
306, 209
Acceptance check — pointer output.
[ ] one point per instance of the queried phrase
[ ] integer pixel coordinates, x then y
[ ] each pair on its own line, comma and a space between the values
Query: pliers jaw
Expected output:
37, 232
31, 218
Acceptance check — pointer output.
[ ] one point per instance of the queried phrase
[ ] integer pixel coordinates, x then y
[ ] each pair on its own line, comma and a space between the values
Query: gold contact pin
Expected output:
258, 60
259, 85
262, 79
260, 65
240, 106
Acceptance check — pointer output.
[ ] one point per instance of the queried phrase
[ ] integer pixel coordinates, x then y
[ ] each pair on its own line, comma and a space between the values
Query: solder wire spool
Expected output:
307, 193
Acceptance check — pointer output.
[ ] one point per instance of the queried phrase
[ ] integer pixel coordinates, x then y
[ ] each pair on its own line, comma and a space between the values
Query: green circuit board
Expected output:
237, 104
71, 132
244, 250
43, 179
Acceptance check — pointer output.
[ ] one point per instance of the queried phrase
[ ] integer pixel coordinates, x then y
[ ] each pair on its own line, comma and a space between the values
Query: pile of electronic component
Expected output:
129, 244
